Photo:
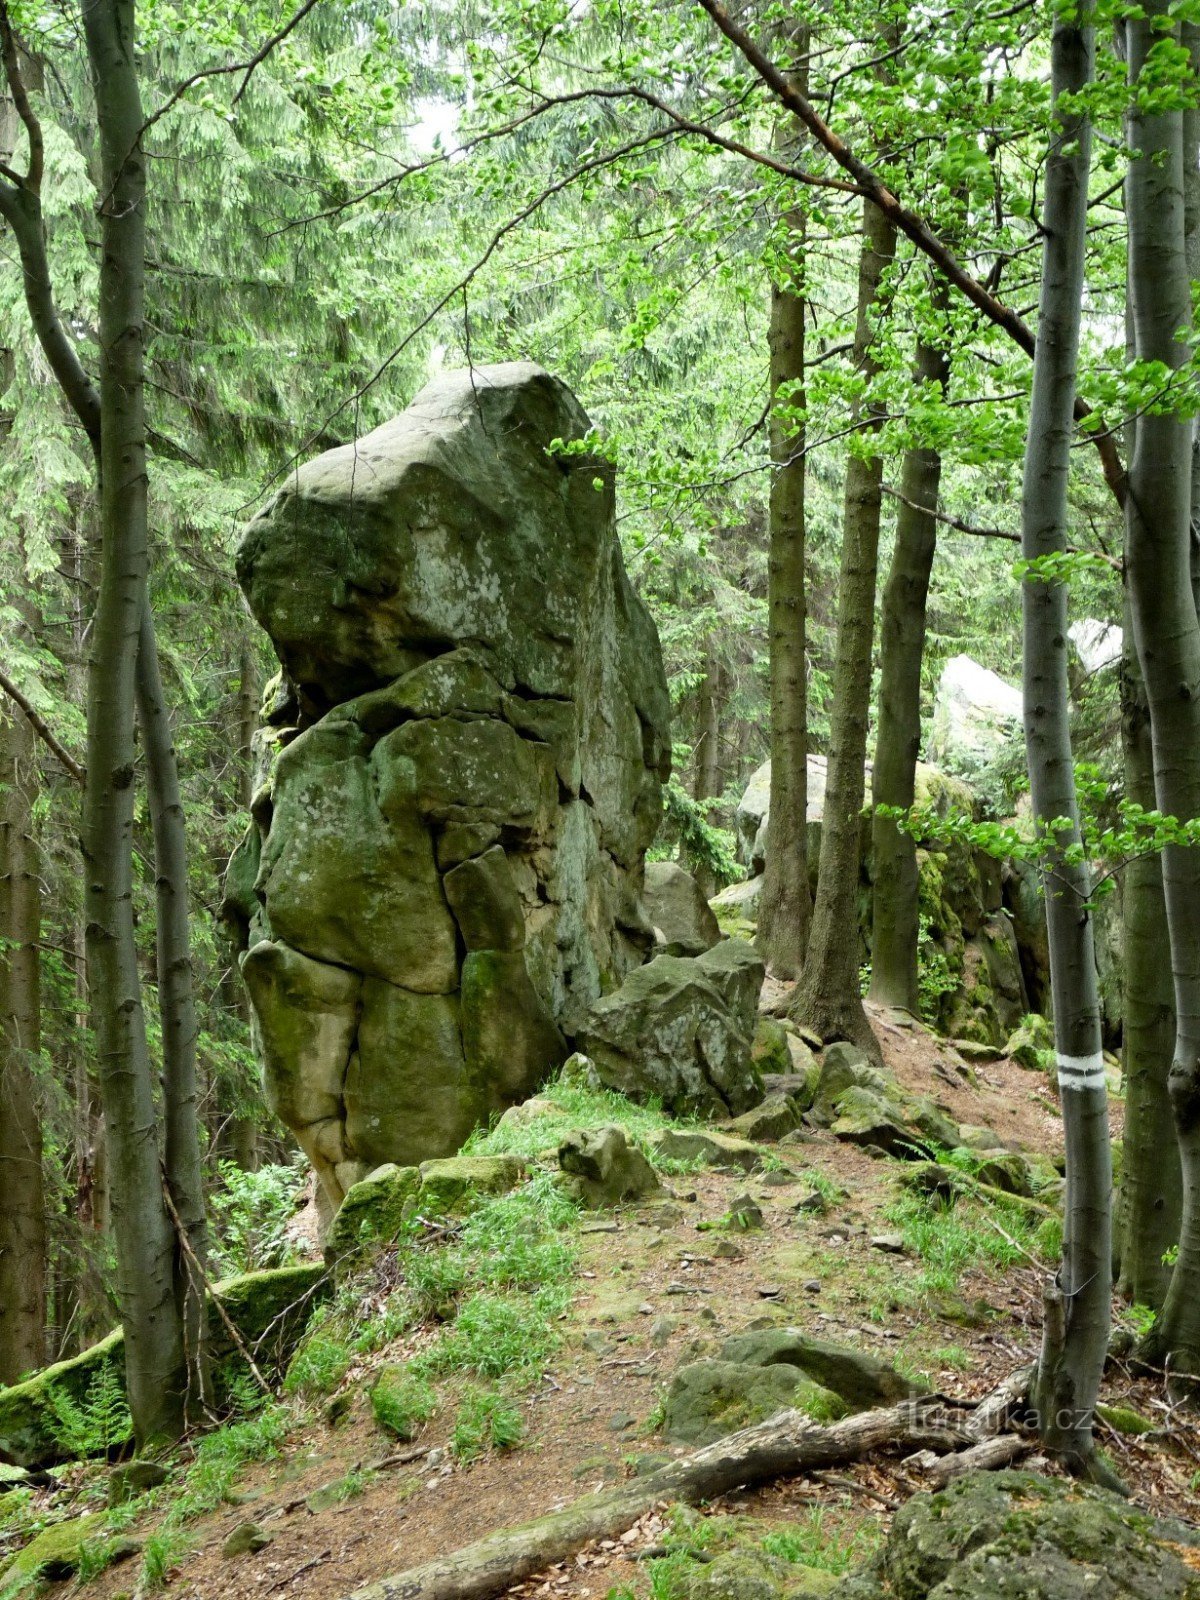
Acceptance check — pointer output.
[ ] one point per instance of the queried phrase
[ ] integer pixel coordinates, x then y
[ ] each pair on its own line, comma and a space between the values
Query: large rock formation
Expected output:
460, 773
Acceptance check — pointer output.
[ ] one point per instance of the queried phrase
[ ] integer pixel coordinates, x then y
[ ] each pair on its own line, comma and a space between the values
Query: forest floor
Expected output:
653, 1287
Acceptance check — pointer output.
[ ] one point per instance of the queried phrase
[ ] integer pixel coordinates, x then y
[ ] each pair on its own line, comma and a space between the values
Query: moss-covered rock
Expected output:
31, 1412
601, 1168
1019, 1536
460, 775
681, 1031
708, 1147
372, 1215
1124, 1419
450, 1184
768, 1122
55, 1554
857, 1377
1031, 1044
269, 1309
710, 1399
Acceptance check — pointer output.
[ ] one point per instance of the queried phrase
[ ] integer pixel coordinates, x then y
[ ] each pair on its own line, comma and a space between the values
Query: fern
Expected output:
93, 1425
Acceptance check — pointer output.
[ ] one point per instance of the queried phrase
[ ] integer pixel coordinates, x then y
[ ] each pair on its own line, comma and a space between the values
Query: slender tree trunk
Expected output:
22, 1197
706, 778
894, 919
827, 997
785, 909
146, 1246
1151, 1194
1159, 568
176, 1008
1075, 1337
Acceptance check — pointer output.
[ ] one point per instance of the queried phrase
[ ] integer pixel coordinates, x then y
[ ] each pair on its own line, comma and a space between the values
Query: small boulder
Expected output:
604, 1169
770, 1052
675, 904
845, 1066
1004, 1535
247, 1539
724, 1151
132, 1478
858, 1378
449, 1183
868, 1119
768, 1122
371, 1215
681, 1030
710, 1399
56, 1553
1032, 1044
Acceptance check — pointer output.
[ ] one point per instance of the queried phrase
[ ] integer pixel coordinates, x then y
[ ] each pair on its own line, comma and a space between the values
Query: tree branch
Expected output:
952, 522
16, 83
911, 225
42, 729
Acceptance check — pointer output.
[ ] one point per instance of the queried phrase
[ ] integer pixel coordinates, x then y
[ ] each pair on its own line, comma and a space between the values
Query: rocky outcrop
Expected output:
977, 979
459, 775
1016, 1534
601, 1168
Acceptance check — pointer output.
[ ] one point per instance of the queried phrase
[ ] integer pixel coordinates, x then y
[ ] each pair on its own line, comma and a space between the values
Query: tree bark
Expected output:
176, 1004
146, 1245
1151, 1184
827, 997
785, 908
1159, 572
894, 916
1075, 1335
788, 1443
22, 1196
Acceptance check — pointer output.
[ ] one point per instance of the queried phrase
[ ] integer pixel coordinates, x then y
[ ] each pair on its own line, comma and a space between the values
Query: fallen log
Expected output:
787, 1443
986, 1456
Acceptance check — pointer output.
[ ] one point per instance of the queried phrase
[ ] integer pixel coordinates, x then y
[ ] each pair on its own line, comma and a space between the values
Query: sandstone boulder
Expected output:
682, 1030
458, 777
676, 906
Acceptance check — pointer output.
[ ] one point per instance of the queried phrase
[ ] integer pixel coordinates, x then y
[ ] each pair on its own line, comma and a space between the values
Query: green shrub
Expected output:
251, 1211
485, 1421
318, 1366
401, 1402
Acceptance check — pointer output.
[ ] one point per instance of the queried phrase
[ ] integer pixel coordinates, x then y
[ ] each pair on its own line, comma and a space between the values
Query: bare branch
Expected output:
245, 67
42, 729
16, 82
952, 522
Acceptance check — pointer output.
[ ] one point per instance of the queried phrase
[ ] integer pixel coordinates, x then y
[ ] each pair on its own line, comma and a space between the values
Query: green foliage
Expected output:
251, 1212
93, 1425
708, 848
812, 1542
935, 977
485, 1421
320, 1363
401, 1402
949, 1236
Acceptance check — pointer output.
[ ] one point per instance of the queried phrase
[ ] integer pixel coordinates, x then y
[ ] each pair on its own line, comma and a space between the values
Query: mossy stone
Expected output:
710, 1399
55, 1553
859, 1378
371, 1215
450, 1184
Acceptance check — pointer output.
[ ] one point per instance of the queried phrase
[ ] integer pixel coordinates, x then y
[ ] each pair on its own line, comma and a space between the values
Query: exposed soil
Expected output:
652, 1294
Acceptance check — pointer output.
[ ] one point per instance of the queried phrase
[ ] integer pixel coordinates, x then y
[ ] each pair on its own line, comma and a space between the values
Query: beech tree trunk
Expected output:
1160, 574
894, 915
1075, 1336
827, 997
785, 908
1151, 1185
22, 1196
146, 1246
